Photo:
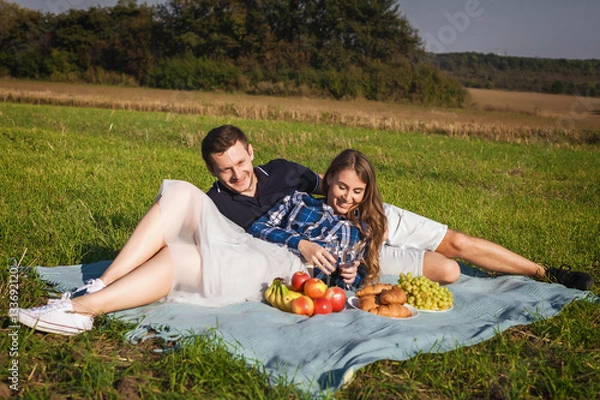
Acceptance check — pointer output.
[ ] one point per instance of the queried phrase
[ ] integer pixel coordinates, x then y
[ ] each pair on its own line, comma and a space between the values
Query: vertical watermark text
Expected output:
13, 328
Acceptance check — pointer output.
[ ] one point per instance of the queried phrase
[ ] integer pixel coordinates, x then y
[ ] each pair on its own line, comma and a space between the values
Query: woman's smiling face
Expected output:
346, 191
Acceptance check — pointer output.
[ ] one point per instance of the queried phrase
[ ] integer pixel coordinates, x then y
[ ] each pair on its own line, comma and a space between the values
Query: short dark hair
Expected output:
219, 139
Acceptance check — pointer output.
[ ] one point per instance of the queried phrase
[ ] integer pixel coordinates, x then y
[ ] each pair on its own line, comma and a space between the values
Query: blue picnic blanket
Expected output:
334, 346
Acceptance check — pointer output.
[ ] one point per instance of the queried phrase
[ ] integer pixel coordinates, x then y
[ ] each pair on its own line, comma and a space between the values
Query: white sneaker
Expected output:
65, 296
56, 317
91, 286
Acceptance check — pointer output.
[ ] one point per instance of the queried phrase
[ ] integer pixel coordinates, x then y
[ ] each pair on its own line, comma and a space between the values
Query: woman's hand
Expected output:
318, 256
348, 274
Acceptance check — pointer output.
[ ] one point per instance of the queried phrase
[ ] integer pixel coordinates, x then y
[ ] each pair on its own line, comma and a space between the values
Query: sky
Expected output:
524, 28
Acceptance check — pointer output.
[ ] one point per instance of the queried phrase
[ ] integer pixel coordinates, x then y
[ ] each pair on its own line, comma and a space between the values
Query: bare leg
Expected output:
439, 268
145, 241
146, 284
487, 255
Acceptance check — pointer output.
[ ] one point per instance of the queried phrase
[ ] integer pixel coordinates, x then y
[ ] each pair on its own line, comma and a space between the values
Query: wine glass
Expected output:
333, 249
347, 258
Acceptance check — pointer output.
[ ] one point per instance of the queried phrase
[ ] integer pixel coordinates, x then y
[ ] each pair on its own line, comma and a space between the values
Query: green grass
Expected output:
75, 181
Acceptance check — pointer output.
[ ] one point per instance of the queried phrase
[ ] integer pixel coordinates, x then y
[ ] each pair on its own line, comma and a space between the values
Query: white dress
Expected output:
215, 261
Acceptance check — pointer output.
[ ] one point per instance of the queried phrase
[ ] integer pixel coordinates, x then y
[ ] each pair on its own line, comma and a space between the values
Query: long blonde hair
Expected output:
371, 219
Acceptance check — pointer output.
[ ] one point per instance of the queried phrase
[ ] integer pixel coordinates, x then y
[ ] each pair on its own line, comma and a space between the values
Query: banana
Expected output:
270, 293
280, 296
288, 296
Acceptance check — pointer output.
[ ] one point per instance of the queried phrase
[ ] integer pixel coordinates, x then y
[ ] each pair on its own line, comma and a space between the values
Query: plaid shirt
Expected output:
300, 216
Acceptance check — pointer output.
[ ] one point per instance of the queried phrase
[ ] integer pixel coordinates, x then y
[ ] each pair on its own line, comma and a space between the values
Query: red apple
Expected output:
298, 280
337, 297
303, 305
314, 287
322, 305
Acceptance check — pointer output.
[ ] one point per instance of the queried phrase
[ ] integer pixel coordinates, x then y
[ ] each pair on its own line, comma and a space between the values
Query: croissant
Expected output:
383, 299
393, 311
373, 289
395, 295
368, 302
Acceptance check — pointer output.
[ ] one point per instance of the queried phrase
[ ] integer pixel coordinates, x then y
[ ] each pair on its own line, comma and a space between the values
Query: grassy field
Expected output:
75, 181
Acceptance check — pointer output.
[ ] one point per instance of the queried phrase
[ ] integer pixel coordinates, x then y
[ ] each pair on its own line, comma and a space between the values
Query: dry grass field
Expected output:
491, 114
580, 109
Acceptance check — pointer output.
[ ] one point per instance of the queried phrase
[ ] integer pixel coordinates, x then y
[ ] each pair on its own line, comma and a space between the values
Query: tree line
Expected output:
337, 48
557, 76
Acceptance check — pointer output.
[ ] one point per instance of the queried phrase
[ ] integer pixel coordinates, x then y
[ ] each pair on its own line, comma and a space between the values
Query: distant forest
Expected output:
341, 49
527, 74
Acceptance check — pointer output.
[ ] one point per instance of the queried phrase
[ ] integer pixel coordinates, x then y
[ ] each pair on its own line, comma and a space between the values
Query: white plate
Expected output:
437, 311
353, 302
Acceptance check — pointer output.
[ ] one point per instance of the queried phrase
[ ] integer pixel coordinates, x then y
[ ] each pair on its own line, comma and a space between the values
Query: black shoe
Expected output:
571, 279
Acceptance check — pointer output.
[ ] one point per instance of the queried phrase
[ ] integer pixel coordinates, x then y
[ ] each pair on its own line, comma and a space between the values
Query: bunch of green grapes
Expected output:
424, 294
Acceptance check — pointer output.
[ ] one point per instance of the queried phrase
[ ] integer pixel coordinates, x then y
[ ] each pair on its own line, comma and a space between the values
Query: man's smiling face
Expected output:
233, 168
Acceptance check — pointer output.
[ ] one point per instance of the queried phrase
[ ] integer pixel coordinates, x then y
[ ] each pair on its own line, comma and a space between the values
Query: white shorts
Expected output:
410, 236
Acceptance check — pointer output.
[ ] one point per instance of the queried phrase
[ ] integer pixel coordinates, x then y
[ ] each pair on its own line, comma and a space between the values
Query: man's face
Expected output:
233, 168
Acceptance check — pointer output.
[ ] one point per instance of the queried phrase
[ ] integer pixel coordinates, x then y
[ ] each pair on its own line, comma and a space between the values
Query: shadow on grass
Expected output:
96, 260
92, 253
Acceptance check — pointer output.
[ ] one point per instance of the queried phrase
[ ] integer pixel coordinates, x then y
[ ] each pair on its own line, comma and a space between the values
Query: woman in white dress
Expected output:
183, 249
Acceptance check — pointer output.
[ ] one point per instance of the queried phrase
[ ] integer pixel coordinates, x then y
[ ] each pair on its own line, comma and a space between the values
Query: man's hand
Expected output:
318, 256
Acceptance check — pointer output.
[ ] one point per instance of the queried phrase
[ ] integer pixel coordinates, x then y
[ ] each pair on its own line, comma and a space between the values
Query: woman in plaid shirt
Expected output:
351, 216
